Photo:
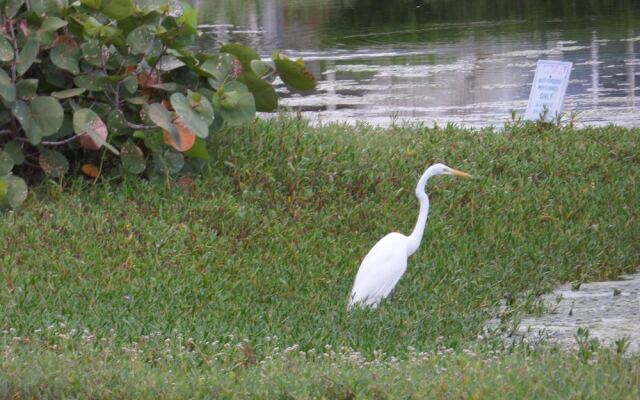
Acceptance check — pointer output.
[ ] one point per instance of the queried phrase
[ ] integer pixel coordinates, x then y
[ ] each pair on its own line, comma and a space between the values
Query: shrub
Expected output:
119, 83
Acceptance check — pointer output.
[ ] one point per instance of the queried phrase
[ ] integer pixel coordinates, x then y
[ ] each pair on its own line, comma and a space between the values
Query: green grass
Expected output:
260, 254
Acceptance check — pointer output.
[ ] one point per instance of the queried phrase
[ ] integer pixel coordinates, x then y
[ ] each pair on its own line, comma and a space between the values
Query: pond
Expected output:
466, 62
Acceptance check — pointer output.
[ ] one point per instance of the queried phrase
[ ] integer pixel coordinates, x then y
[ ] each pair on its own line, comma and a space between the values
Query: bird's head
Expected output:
441, 169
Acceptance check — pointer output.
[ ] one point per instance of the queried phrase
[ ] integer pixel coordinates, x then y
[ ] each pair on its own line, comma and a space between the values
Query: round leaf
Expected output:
117, 9
185, 140
48, 7
66, 54
6, 51
14, 149
217, 68
22, 112
47, 114
264, 94
195, 111
52, 24
16, 191
132, 158
7, 88
161, 117
53, 163
244, 53
294, 74
6, 163
141, 38
92, 52
235, 103
27, 55
168, 162
93, 130
26, 88
116, 123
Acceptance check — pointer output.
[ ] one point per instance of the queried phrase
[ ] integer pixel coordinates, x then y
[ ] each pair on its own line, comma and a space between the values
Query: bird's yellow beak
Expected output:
460, 173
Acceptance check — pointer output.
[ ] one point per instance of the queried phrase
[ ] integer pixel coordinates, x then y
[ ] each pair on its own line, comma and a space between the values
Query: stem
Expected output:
64, 141
14, 43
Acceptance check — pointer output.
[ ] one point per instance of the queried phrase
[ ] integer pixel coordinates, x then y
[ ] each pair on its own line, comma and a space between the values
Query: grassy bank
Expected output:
258, 256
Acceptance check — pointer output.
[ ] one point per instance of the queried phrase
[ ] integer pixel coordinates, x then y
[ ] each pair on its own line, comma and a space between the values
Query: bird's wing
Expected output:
380, 270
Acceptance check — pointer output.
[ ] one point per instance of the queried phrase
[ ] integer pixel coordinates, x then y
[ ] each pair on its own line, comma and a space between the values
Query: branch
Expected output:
14, 43
64, 141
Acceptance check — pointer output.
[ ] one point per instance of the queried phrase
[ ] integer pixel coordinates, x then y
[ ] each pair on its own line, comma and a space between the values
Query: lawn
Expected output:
235, 283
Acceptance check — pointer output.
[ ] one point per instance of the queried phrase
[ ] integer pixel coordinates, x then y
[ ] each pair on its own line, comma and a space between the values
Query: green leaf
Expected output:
49, 7
189, 18
264, 94
66, 55
117, 124
89, 82
195, 111
16, 190
7, 88
262, 69
47, 113
235, 103
153, 139
26, 88
95, 4
141, 39
65, 94
6, 163
293, 74
54, 75
244, 53
27, 55
161, 117
22, 112
92, 52
132, 158
217, 68
43, 118
11, 7
147, 6
130, 84
51, 24
14, 149
53, 163
198, 150
117, 9
167, 162
6, 51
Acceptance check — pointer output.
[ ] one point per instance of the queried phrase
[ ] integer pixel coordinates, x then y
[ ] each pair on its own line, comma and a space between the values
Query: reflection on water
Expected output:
468, 62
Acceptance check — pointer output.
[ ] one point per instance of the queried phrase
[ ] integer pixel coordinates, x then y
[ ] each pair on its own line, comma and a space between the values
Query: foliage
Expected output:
116, 82
235, 285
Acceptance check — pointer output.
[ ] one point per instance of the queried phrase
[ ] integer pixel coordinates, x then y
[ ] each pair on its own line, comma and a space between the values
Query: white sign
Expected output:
548, 89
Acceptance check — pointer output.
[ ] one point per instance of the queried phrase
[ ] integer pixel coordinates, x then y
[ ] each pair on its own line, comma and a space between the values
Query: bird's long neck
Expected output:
416, 236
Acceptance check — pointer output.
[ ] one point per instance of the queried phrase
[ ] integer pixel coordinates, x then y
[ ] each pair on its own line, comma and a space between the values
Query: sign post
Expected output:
548, 90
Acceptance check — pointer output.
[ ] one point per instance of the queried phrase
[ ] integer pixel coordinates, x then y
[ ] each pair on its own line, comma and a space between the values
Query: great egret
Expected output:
386, 262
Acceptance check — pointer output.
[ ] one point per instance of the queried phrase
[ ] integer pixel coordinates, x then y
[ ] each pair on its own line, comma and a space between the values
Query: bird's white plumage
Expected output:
380, 270
386, 262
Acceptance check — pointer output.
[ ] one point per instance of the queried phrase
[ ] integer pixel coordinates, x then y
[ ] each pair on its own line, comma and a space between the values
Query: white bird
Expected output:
386, 262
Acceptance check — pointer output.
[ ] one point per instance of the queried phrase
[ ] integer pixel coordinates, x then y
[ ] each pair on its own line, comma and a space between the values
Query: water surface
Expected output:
466, 62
